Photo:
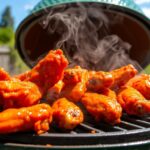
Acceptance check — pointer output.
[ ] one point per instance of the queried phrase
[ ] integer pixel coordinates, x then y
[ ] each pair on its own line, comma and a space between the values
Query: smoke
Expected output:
85, 37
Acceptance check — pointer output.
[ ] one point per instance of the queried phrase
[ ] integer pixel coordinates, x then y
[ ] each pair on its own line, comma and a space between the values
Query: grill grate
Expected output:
130, 130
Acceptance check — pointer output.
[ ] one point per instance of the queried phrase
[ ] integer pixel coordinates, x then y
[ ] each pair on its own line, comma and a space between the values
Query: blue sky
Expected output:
21, 8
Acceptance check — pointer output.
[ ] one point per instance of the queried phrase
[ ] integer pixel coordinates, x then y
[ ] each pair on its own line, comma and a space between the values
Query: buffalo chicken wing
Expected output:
37, 118
99, 80
122, 76
73, 85
102, 108
142, 84
47, 72
66, 114
4, 75
133, 102
15, 94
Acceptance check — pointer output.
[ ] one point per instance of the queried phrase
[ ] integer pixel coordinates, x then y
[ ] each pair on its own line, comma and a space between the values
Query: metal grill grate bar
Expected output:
90, 128
130, 126
109, 128
73, 132
142, 123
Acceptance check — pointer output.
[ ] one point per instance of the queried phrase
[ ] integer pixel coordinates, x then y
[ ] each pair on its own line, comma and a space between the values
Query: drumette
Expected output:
133, 102
102, 108
66, 114
37, 118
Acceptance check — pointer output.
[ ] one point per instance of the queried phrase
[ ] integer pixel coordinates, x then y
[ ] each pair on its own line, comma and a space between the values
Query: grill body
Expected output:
130, 133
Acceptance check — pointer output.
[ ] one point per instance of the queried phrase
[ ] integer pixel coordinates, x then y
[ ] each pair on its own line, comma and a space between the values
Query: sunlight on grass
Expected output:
147, 69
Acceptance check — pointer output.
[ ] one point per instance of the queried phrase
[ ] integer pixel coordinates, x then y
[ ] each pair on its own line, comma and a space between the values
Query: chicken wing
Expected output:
122, 75
133, 101
142, 84
77, 81
73, 85
99, 80
66, 114
15, 94
109, 93
4, 75
53, 93
47, 72
73, 92
102, 108
75, 75
37, 118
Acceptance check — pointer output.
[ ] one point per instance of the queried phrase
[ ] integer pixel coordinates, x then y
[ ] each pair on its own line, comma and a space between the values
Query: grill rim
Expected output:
74, 147
134, 132
136, 136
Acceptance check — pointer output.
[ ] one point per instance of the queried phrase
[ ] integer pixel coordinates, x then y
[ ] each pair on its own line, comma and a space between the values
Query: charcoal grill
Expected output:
131, 133
32, 41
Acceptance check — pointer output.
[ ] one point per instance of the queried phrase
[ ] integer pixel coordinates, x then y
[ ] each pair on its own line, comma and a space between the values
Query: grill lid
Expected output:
134, 29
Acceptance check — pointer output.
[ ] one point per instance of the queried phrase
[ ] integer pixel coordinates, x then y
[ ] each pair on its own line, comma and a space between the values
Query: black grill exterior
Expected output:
132, 131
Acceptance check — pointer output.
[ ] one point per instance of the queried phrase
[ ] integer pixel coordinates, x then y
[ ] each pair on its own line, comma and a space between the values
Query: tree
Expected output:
7, 19
6, 35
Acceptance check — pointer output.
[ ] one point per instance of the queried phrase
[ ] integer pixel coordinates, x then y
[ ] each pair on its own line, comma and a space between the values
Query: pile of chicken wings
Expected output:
104, 95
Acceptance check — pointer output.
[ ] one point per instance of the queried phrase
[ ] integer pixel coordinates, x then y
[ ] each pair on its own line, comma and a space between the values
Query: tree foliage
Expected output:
6, 35
6, 18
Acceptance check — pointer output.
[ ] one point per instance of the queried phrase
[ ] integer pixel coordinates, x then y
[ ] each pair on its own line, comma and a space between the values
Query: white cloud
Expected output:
28, 6
146, 11
142, 1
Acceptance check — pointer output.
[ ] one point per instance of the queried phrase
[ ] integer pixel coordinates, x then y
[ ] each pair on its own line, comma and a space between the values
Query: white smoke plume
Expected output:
85, 38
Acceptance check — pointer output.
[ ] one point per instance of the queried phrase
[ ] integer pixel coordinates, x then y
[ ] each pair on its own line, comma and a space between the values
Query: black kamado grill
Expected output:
34, 38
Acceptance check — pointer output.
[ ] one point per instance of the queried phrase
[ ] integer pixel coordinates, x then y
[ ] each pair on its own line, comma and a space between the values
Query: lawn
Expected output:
147, 69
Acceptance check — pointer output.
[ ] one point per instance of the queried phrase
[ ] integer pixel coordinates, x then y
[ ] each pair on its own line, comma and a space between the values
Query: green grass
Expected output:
147, 69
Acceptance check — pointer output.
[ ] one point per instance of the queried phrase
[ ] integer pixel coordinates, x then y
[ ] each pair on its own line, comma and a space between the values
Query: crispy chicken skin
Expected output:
133, 102
102, 108
108, 92
15, 94
75, 75
66, 114
48, 71
4, 75
122, 76
99, 80
73, 92
53, 93
77, 81
142, 84
113, 79
73, 85
37, 118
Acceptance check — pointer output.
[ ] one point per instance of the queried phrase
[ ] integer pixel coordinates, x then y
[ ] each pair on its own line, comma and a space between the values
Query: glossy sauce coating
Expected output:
122, 76
16, 94
102, 108
54, 92
99, 80
66, 114
37, 118
133, 102
72, 86
48, 71
142, 84
108, 92
4, 75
